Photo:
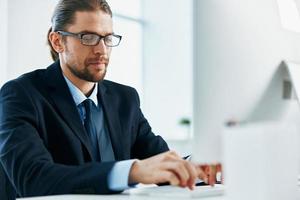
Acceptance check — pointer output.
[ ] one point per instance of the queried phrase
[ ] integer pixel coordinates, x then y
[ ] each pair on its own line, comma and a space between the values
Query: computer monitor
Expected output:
239, 49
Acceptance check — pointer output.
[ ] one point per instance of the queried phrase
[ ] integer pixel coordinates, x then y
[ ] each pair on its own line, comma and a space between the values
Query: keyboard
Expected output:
177, 192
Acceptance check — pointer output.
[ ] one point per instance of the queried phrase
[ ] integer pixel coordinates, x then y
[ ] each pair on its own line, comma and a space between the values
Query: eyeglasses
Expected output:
91, 39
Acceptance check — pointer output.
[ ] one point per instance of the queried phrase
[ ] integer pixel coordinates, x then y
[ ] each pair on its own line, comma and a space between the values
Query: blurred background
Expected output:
157, 52
155, 55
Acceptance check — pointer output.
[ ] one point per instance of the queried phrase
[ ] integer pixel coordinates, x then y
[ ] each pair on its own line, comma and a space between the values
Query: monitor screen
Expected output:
239, 49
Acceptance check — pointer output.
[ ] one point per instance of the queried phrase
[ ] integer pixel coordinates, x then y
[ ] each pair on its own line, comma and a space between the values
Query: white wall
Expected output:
28, 23
168, 53
126, 61
3, 41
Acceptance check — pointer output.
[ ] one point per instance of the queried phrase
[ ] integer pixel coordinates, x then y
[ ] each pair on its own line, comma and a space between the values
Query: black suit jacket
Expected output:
44, 149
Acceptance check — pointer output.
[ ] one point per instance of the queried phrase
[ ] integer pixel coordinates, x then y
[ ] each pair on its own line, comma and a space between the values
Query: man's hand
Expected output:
170, 167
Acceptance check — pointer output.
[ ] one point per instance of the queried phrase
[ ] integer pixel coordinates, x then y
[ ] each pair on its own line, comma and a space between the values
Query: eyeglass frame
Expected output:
80, 35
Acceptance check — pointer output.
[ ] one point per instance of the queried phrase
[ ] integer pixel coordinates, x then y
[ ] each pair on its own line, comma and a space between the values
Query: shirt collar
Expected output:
78, 96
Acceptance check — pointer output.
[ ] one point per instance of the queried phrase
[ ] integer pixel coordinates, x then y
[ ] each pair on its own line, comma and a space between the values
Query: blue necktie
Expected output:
90, 127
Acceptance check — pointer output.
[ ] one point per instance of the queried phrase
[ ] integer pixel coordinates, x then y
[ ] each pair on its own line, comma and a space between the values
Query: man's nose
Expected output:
100, 48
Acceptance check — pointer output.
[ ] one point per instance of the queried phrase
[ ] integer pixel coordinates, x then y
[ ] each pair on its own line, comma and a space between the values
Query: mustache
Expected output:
102, 58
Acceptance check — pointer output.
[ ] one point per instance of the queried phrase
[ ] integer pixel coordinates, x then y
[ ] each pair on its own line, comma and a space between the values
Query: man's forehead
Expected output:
92, 21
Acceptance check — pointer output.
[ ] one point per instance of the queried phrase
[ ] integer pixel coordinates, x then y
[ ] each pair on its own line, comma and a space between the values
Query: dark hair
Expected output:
64, 15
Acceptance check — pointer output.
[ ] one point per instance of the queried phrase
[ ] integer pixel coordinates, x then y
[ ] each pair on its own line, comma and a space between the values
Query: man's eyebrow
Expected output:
92, 32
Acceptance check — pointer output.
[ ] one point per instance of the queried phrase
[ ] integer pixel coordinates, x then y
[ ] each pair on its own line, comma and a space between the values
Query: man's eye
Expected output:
108, 38
89, 37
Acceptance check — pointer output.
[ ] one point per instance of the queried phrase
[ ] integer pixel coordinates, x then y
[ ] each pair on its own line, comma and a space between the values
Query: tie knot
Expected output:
88, 103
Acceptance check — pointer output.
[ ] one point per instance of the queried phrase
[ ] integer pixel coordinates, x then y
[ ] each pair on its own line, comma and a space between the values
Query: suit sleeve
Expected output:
26, 160
146, 144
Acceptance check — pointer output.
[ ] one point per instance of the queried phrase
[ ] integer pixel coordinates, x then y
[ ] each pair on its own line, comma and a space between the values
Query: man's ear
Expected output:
56, 42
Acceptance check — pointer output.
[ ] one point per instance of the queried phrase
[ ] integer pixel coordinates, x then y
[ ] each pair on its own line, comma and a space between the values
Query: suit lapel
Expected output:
112, 117
64, 103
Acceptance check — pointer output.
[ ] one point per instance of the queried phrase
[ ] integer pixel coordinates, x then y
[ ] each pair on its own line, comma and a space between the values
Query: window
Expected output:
126, 65
168, 66
156, 57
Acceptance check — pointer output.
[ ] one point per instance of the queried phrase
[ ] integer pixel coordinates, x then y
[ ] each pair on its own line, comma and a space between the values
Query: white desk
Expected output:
136, 194
112, 197
120, 197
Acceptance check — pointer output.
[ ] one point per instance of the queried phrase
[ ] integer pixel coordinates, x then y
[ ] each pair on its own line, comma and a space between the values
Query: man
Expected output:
66, 130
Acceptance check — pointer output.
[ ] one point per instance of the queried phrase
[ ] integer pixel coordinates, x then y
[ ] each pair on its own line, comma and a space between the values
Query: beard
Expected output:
88, 75
88, 72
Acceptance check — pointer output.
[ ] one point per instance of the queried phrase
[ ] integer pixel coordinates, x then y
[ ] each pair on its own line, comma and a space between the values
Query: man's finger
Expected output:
201, 174
178, 168
212, 174
193, 174
167, 176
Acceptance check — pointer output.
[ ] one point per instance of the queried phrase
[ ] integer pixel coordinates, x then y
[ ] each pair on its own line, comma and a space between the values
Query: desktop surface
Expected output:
124, 196
150, 192
114, 197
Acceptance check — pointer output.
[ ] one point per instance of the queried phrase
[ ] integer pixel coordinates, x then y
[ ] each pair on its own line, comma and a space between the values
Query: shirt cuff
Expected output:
119, 174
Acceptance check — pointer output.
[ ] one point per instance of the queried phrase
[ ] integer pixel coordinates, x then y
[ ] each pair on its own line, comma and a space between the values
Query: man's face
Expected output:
87, 63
